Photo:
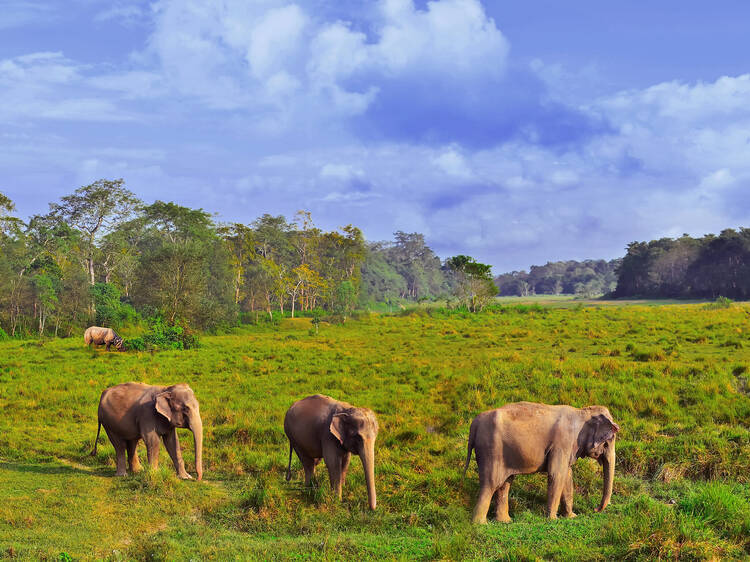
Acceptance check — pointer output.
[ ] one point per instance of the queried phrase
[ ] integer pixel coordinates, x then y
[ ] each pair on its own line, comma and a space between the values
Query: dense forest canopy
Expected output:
706, 267
101, 255
586, 278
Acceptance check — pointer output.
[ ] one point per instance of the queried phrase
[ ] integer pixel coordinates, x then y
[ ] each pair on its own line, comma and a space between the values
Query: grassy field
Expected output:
676, 378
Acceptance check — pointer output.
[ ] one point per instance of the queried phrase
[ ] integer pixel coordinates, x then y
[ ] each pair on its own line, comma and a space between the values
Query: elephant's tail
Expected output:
96, 441
472, 436
289, 466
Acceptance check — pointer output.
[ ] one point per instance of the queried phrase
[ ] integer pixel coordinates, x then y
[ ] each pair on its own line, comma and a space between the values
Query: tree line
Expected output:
686, 267
587, 278
100, 255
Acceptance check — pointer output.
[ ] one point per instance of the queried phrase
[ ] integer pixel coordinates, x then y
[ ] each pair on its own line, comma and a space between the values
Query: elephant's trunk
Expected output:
367, 454
196, 426
608, 473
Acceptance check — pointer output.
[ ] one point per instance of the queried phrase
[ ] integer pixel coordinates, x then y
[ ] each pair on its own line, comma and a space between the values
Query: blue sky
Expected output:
516, 132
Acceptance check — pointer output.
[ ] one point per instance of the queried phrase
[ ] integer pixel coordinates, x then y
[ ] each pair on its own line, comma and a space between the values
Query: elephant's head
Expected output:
119, 343
178, 404
356, 429
597, 440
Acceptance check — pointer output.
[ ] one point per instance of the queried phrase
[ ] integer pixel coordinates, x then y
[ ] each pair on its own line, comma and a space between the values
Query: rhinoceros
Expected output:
102, 336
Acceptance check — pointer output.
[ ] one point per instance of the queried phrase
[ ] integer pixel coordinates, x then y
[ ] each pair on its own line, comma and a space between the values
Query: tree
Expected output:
180, 274
240, 241
95, 209
475, 285
345, 299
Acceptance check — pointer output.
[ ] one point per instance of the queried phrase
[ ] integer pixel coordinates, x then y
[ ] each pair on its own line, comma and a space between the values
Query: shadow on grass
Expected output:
53, 469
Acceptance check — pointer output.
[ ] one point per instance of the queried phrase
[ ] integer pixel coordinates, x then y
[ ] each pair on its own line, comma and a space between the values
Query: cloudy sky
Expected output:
516, 132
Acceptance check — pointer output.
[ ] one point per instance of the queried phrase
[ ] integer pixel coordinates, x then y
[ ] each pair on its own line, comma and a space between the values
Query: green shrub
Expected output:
261, 318
166, 336
3, 335
719, 303
135, 344
163, 336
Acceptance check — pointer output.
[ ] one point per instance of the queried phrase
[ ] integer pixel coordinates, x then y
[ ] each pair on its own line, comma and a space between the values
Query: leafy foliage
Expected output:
704, 267
588, 278
110, 310
475, 287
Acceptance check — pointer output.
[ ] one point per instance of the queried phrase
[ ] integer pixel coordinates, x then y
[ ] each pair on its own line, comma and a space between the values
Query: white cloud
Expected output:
16, 13
48, 85
126, 14
716, 180
453, 163
340, 172
450, 35
277, 56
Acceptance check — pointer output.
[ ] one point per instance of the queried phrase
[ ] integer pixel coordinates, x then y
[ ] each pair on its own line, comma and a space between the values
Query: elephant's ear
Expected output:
338, 427
605, 430
162, 405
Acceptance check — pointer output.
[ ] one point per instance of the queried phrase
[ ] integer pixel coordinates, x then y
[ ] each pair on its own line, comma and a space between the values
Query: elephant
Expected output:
320, 427
524, 437
102, 336
133, 411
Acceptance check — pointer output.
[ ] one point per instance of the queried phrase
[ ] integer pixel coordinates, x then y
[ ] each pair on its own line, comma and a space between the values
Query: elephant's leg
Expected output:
133, 461
483, 503
492, 475
567, 495
332, 458
557, 476
173, 448
345, 467
308, 464
120, 446
151, 439
501, 501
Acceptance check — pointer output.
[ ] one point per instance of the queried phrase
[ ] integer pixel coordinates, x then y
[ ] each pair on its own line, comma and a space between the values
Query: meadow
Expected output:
676, 378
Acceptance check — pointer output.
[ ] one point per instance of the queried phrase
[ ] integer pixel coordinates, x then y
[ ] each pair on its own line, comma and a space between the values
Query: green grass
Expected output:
678, 390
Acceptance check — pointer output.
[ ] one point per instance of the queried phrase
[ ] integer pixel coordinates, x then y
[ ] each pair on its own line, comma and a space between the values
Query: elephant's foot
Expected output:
122, 472
185, 476
570, 515
479, 520
553, 515
503, 518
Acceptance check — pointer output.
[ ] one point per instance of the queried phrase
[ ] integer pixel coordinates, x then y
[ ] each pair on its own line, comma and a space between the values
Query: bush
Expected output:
135, 344
163, 336
719, 303
3, 335
261, 318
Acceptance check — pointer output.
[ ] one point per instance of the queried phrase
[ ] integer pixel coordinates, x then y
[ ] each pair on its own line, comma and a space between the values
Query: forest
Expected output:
588, 278
687, 267
100, 255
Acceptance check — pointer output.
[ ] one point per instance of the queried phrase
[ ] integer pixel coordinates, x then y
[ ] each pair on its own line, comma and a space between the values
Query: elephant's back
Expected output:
126, 393
307, 419
119, 405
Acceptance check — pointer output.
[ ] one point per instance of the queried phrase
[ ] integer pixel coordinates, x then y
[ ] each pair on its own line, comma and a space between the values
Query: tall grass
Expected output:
681, 397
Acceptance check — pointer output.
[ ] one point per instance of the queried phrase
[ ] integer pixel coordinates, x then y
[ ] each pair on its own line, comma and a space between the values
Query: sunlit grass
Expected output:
677, 389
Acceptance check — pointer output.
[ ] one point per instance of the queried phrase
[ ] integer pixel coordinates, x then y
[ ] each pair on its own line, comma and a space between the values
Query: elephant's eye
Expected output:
606, 445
